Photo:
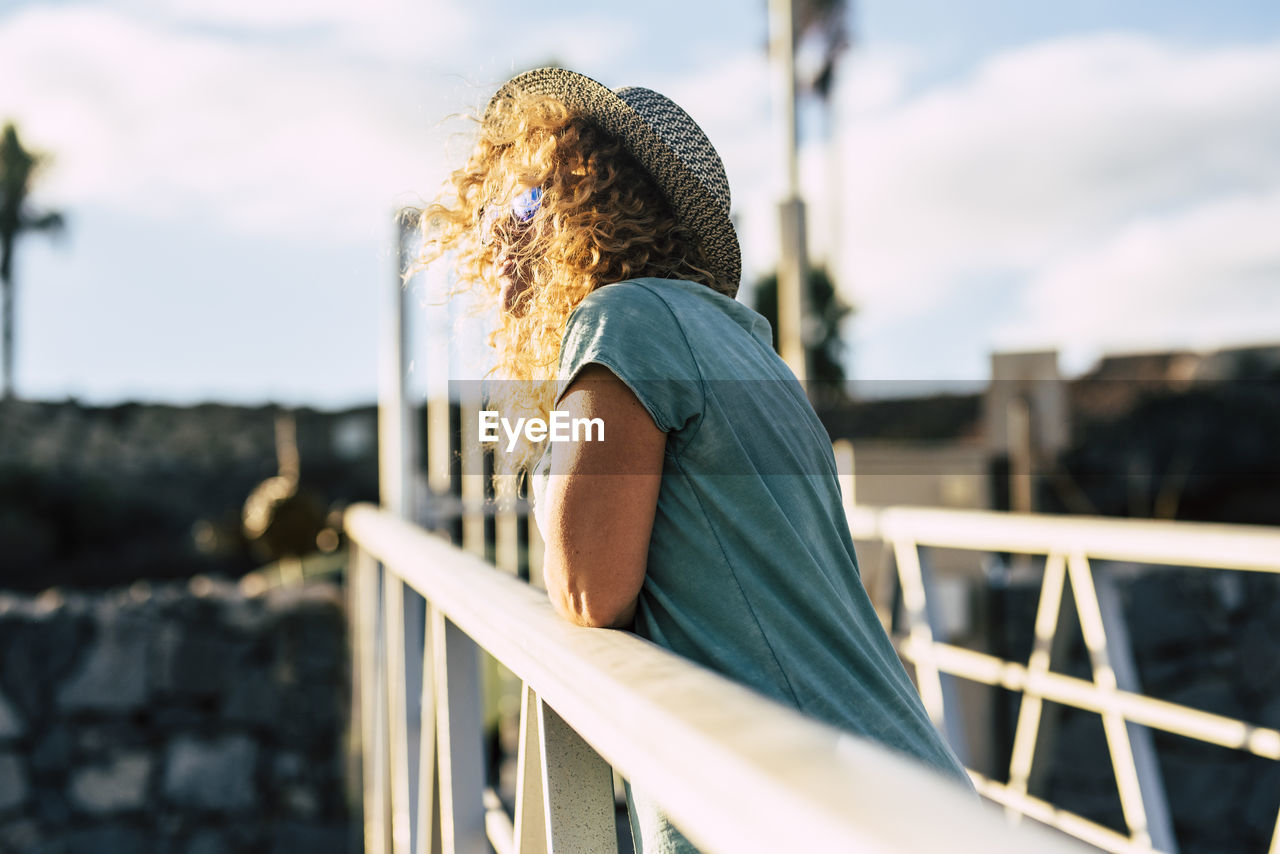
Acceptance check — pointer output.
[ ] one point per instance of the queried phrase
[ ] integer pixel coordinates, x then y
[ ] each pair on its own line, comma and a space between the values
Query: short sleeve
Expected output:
634, 333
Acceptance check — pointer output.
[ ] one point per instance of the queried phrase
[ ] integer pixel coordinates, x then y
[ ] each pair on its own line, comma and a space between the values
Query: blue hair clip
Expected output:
525, 205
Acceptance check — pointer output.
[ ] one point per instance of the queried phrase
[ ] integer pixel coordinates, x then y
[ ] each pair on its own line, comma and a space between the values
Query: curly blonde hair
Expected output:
602, 220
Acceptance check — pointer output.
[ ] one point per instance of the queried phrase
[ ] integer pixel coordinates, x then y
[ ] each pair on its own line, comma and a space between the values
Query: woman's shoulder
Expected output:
679, 296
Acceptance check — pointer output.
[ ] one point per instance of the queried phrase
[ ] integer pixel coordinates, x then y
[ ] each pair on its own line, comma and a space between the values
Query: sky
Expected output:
1091, 177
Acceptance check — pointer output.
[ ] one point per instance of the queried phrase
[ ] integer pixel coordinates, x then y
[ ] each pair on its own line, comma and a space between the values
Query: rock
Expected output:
189, 661
1080, 777
101, 740
244, 615
51, 806
1258, 806
11, 724
289, 766
1174, 611
213, 774
251, 699
1210, 693
1269, 716
291, 836
114, 675
208, 842
300, 801
13, 781
36, 653
22, 835
1259, 652
1205, 785
112, 839
115, 786
52, 753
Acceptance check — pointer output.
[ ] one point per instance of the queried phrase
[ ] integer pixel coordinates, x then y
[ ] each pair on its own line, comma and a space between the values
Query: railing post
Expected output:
578, 787
921, 634
359, 711
531, 816
1132, 802
458, 738
427, 794
472, 472
1027, 732
372, 700
955, 724
564, 796
393, 638
1159, 822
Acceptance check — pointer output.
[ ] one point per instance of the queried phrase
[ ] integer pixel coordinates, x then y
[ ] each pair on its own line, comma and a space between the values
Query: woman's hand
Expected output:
601, 498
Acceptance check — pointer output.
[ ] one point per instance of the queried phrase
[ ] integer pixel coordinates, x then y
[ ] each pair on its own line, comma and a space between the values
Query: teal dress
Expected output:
751, 568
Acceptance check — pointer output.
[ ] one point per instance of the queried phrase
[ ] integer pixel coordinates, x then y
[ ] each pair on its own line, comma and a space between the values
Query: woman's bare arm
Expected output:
601, 497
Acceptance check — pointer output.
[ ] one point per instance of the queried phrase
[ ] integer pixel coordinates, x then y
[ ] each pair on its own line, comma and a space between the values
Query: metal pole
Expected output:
395, 424
792, 260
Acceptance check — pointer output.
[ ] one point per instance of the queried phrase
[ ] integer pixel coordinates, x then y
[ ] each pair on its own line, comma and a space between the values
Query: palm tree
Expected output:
827, 311
825, 20
18, 168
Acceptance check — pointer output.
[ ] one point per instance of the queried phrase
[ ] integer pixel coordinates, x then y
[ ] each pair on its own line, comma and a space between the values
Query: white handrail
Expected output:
736, 771
1198, 544
1071, 544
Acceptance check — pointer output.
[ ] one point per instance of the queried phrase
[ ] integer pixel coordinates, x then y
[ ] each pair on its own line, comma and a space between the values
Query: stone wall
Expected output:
100, 496
184, 718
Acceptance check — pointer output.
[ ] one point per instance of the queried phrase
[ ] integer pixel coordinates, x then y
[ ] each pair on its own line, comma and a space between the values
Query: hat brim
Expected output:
694, 205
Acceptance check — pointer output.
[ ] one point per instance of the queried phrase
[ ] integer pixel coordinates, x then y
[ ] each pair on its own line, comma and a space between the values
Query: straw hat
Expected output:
668, 143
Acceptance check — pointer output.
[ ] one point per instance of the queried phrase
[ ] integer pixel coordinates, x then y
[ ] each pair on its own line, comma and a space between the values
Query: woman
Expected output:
709, 518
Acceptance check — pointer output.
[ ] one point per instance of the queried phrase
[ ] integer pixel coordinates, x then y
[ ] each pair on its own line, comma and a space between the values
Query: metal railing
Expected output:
738, 773
735, 771
1073, 548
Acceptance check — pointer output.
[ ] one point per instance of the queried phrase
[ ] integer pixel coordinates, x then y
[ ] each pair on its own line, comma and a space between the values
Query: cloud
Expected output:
1201, 278
148, 120
302, 121
381, 30
1047, 165
1063, 159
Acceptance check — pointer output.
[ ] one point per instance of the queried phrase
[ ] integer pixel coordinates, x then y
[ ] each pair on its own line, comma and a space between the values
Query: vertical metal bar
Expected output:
956, 729
578, 788
412, 644
1028, 727
356, 742
458, 738
792, 264
1159, 821
1051, 714
782, 53
395, 424
427, 797
507, 535
1104, 677
438, 444
377, 823
531, 821
472, 470
920, 634
397, 711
